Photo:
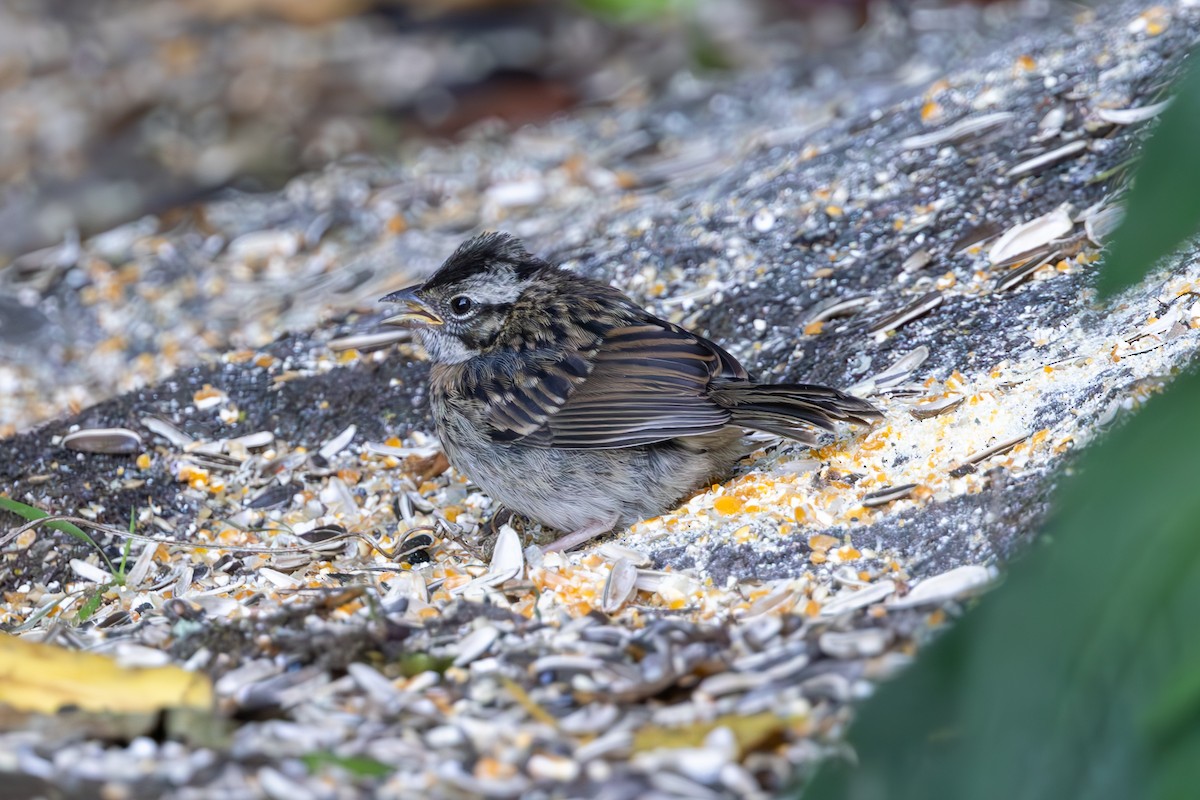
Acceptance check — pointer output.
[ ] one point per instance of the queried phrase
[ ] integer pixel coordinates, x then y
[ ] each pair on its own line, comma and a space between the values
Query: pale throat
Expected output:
443, 347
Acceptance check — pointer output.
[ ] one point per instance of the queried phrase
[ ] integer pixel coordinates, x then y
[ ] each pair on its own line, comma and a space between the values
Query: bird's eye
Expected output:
461, 304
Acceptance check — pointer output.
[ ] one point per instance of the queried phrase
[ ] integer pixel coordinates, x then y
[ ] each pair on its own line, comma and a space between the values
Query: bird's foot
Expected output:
500, 517
576, 538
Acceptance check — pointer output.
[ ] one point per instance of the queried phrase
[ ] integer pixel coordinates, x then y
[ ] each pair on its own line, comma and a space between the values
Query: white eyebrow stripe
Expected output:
490, 291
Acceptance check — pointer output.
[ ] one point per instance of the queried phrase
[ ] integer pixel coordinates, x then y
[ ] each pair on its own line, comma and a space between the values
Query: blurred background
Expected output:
114, 108
152, 124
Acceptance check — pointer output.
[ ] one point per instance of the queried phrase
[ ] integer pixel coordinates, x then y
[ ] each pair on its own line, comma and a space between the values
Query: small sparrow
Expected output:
569, 404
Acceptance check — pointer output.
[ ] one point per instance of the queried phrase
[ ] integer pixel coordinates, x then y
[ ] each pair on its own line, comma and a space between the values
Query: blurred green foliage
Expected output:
1080, 677
357, 766
632, 10
1163, 207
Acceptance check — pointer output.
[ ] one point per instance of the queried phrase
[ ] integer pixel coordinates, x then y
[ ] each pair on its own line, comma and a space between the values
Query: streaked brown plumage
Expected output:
568, 403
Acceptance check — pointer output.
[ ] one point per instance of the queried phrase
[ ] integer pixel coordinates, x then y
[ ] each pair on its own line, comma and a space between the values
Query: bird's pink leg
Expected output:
576, 538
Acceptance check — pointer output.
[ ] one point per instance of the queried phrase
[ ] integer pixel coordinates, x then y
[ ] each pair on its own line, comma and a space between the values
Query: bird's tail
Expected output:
794, 410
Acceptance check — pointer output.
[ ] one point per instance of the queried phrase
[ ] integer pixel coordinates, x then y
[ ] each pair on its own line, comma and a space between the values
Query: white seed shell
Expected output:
117, 441
954, 584
1032, 235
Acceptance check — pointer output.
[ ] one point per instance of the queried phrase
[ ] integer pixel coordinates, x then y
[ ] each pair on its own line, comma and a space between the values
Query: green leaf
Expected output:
411, 664
1175, 772
1176, 709
120, 573
31, 513
91, 604
359, 766
1076, 678
1163, 208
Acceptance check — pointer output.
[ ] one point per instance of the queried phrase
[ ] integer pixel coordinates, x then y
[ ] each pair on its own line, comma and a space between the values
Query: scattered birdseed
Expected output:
117, 441
1131, 116
369, 342
963, 129
956, 584
917, 308
1047, 160
1019, 275
1031, 235
352, 602
936, 407
888, 495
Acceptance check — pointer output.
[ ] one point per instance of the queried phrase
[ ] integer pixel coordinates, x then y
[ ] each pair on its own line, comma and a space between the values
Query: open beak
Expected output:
416, 309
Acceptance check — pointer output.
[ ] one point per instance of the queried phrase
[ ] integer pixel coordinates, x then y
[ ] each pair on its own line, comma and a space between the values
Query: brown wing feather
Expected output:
642, 382
519, 394
648, 382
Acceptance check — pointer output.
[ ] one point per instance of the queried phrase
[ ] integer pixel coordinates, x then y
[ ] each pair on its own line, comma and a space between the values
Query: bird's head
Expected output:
467, 303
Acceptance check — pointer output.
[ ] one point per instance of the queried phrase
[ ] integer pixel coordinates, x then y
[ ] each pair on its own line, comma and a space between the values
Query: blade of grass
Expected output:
119, 574
91, 604
32, 513
358, 766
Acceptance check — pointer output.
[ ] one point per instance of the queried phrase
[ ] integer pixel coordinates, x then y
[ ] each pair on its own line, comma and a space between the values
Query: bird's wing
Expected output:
519, 392
646, 381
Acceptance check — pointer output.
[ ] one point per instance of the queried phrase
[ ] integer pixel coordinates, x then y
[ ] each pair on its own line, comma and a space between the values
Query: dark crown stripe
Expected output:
481, 254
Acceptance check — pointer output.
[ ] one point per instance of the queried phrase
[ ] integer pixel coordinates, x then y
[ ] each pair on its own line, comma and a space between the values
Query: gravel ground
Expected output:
927, 240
